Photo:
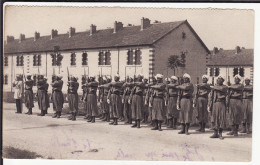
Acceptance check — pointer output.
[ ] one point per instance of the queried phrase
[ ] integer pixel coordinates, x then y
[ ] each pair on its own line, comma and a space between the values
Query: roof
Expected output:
128, 36
230, 58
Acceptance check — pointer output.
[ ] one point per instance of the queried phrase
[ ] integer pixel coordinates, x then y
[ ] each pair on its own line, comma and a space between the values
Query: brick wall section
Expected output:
174, 44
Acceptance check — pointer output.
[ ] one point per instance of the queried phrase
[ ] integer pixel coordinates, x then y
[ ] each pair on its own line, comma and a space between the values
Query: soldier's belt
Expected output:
236, 98
186, 97
220, 100
173, 95
204, 96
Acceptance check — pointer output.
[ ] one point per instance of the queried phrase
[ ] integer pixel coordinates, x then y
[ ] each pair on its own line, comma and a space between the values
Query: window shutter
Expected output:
107, 58
17, 60
6, 61
235, 71
211, 71
242, 72
130, 57
53, 56
138, 57
6, 79
39, 60
84, 59
216, 71
21, 60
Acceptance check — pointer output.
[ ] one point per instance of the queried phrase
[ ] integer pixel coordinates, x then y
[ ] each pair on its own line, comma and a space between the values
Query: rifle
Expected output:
68, 74
197, 93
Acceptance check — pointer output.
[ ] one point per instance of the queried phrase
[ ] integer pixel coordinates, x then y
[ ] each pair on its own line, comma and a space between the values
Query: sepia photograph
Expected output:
127, 83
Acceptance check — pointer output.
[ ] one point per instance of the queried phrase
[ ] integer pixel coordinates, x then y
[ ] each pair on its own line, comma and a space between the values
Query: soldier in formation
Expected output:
137, 100
28, 94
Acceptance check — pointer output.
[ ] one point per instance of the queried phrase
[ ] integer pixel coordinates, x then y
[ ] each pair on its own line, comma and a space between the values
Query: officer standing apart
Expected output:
234, 104
217, 105
73, 86
57, 96
18, 87
247, 111
185, 103
201, 102
28, 94
158, 102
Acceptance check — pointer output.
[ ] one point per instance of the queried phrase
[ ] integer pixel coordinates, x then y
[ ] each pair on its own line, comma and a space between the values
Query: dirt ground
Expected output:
64, 139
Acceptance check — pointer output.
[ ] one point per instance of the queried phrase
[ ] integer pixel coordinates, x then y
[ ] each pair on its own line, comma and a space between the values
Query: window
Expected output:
101, 58
235, 71
108, 58
5, 61
138, 57
242, 72
134, 57
53, 56
211, 71
19, 60
73, 59
6, 79
84, 59
216, 71
130, 57
37, 60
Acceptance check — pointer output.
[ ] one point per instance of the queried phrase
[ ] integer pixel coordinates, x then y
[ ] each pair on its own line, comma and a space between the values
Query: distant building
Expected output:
126, 50
231, 62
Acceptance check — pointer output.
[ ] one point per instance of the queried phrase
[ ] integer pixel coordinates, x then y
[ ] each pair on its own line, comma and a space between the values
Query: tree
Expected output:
174, 62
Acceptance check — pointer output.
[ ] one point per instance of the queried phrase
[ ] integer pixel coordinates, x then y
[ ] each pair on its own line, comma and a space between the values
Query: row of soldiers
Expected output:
137, 99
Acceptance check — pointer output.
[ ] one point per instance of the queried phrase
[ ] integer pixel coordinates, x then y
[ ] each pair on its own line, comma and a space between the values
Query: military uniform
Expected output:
103, 99
201, 103
157, 102
136, 100
73, 86
145, 106
18, 87
42, 95
57, 96
92, 100
247, 111
28, 95
148, 96
172, 112
127, 107
235, 107
217, 101
114, 100
84, 99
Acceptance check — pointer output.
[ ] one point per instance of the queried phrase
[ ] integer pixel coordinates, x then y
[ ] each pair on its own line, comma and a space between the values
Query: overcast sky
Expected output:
221, 28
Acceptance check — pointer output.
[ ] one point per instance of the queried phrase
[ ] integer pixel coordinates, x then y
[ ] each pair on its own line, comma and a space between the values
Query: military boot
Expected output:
116, 121
30, 111
90, 119
105, 117
200, 127
215, 134
159, 126
170, 125
74, 117
93, 119
243, 128
27, 112
155, 125
138, 124
112, 122
59, 114
187, 129
232, 130
38, 114
220, 134
182, 129
135, 125
235, 130
71, 116
108, 118
55, 115
102, 116
248, 128
174, 123
203, 127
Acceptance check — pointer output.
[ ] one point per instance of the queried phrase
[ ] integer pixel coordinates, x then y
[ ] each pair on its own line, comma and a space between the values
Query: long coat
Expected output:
92, 99
235, 104
185, 102
73, 96
172, 95
57, 96
42, 95
136, 98
158, 101
247, 111
28, 94
217, 100
115, 99
201, 102
127, 107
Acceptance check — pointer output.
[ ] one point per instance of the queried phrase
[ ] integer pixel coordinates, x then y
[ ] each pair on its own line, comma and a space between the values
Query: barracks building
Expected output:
124, 50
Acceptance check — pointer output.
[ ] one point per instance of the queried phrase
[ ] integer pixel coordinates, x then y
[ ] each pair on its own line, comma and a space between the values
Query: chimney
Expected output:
22, 37
36, 36
9, 39
117, 26
215, 50
54, 33
145, 22
238, 50
72, 31
93, 29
